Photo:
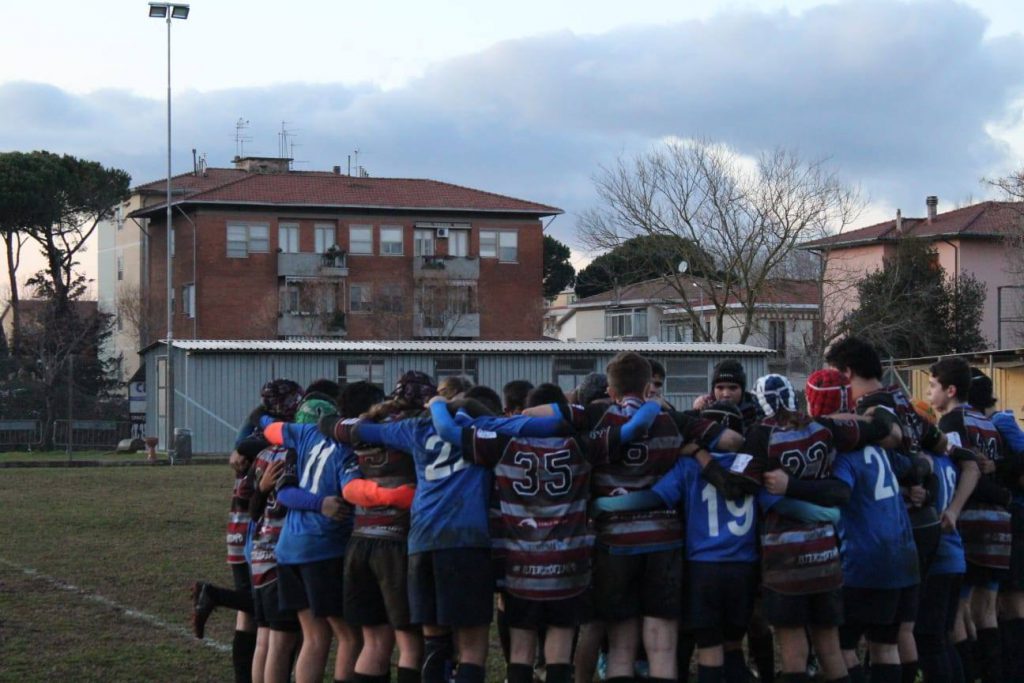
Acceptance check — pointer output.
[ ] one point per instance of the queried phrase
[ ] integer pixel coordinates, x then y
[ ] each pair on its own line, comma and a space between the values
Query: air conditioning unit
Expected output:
442, 233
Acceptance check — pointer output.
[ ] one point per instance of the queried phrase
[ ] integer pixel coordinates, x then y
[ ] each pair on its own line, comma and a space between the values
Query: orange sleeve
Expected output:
274, 433
370, 494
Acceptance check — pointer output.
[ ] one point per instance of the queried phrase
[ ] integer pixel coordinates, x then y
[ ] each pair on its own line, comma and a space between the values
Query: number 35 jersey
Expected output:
543, 488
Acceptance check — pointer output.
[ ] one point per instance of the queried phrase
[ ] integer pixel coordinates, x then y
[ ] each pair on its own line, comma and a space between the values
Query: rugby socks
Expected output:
801, 677
229, 598
369, 678
988, 655
710, 674
558, 673
438, 652
620, 679
762, 649
474, 673
406, 675
243, 645
735, 668
685, 645
909, 672
886, 673
934, 658
504, 635
856, 673
1014, 666
965, 648
519, 673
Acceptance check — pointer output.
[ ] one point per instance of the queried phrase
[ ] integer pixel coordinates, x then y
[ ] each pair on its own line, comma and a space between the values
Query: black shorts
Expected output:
268, 613
926, 540
376, 582
1014, 581
720, 600
242, 577
988, 578
876, 612
936, 612
453, 587
644, 585
533, 615
790, 611
316, 586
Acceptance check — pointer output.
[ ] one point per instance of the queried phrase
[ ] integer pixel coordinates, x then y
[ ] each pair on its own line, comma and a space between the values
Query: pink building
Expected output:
970, 240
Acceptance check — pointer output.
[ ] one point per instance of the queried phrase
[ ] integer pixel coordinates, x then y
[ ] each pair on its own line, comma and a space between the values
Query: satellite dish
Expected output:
683, 266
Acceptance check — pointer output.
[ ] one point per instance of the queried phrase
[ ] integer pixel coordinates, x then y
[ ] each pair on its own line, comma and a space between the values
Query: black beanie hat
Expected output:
979, 395
729, 371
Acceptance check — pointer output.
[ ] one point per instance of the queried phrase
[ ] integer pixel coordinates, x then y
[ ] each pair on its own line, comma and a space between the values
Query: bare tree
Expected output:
1011, 186
315, 306
749, 216
132, 310
444, 307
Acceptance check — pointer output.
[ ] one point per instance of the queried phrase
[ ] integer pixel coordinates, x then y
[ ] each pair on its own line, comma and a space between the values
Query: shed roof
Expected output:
476, 347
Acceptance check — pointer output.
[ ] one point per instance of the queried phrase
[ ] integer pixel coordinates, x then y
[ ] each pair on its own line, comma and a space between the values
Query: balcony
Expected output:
464, 325
446, 267
312, 265
311, 325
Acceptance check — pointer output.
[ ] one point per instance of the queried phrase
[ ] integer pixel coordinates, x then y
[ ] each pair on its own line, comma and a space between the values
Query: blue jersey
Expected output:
878, 548
449, 509
949, 557
717, 529
308, 536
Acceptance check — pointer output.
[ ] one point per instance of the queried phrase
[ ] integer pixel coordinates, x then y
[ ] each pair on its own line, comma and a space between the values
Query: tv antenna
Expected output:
241, 125
284, 143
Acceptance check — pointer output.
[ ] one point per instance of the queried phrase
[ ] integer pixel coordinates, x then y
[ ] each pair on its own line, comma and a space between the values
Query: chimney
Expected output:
262, 164
933, 207
337, 170
899, 222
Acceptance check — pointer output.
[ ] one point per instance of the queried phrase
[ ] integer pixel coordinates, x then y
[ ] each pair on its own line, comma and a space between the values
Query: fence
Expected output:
90, 434
20, 433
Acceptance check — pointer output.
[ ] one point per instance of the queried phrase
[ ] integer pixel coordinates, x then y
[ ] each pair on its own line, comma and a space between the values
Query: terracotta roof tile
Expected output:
781, 291
985, 220
301, 188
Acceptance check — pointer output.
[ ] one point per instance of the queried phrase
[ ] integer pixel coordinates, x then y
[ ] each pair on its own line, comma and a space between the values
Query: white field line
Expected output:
150, 619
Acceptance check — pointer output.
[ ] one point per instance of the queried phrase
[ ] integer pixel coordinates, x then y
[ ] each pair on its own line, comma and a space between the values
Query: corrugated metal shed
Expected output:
217, 382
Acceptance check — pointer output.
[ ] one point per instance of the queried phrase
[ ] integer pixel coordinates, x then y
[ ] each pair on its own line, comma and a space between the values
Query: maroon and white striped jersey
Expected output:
267, 529
543, 487
238, 518
389, 469
642, 464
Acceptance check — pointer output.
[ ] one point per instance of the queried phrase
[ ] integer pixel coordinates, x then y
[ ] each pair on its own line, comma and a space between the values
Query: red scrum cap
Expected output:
828, 391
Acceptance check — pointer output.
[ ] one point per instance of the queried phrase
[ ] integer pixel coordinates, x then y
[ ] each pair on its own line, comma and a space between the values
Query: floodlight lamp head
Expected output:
179, 11
158, 10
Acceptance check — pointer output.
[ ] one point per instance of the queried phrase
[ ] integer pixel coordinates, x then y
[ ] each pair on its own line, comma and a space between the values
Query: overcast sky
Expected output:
907, 99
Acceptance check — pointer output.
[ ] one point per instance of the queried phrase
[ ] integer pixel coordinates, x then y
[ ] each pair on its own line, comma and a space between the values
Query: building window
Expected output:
685, 379
359, 299
248, 238
360, 239
777, 337
569, 372
188, 300
423, 243
325, 238
309, 297
390, 298
288, 238
361, 370
458, 243
676, 331
455, 366
500, 244
622, 324
488, 244
120, 267
391, 240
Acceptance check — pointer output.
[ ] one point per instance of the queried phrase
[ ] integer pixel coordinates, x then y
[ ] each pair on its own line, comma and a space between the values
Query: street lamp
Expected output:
168, 11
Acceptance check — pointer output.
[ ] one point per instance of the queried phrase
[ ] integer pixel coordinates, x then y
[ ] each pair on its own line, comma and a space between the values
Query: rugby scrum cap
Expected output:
828, 392
313, 408
775, 392
726, 414
281, 397
414, 388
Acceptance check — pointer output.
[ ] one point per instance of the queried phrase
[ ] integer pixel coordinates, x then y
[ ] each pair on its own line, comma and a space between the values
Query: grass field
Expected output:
136, 536
81, 546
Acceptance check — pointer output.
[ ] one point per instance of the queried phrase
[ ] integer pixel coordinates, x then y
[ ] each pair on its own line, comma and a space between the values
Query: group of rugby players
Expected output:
873, 537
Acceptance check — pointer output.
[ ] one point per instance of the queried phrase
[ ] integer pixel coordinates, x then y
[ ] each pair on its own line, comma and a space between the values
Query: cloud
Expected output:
903, 97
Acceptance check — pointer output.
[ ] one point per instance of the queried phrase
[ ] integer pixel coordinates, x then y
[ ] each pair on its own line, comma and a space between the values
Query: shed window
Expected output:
361, 370
569, 372
457, 366
686, 376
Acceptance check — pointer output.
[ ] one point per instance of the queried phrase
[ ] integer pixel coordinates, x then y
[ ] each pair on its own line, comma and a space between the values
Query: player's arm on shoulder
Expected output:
806, 512
828, 492
366, 493
637, 500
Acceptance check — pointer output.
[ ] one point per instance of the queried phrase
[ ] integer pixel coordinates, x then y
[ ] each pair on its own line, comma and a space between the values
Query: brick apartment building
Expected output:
263, 252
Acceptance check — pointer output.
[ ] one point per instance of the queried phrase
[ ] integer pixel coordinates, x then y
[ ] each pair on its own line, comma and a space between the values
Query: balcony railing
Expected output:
446, 267
464, 325
311, 325
331, 264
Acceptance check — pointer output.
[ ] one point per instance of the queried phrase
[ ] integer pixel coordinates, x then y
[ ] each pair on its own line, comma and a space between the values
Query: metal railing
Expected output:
20, 433
90, 434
